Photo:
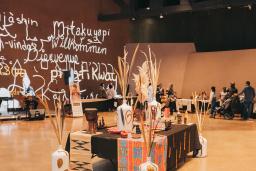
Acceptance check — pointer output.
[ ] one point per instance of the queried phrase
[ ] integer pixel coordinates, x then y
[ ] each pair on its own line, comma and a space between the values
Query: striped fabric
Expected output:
131, 153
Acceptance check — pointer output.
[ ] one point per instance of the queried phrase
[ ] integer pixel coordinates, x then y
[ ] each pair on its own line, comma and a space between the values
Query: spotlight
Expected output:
229, 7
148, 8
248, 6
161, 16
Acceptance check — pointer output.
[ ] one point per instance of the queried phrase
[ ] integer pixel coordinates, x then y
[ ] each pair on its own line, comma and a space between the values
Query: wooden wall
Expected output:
190, 71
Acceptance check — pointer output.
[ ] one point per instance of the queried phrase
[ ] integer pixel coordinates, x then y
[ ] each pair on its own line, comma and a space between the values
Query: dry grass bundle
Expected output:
141, 82
57, 121
154, 68
148, 73
200, 113
124, 70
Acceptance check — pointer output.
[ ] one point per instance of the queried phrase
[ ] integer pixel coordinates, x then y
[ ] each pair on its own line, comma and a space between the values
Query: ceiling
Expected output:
131, 9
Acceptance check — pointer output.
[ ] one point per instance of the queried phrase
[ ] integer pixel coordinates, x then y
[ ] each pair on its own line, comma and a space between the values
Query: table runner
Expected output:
80, 151
132, 153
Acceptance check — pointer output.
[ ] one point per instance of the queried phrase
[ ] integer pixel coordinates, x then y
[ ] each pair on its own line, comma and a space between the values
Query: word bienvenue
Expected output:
71, 37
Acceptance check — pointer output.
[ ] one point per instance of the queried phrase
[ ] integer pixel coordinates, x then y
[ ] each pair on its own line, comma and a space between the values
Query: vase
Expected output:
60, 160
155, 109
203, 151
124, 117
148, 166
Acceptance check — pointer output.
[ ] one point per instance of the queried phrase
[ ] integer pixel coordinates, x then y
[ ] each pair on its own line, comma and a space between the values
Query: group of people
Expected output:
171, 96
248, 94
248, 97
107, 93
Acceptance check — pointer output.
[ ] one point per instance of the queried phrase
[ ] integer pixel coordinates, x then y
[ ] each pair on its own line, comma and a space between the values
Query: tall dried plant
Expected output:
200, 113
153, 68
57, 121
141, 82
148, 73
124, 70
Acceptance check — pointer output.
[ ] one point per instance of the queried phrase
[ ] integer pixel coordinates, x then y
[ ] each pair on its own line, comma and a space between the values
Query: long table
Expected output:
181, 139
104, 105
101, 104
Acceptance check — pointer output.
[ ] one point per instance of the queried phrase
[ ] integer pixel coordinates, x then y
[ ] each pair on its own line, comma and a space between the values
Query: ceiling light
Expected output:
161, 16
133, 18
148, 8
229, 7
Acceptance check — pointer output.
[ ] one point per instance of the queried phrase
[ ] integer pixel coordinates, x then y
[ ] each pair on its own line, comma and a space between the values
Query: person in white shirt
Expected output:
223, 95
150, 93
110, 92
213, 101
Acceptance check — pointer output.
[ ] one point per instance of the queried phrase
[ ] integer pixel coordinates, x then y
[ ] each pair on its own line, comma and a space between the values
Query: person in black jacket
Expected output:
159, 93
232, 90
249, 94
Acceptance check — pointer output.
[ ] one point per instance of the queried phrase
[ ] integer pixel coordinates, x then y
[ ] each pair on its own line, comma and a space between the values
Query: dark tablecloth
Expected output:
182, 139
102, 106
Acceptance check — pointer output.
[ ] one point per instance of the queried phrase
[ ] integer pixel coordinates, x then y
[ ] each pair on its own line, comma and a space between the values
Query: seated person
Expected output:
102, 92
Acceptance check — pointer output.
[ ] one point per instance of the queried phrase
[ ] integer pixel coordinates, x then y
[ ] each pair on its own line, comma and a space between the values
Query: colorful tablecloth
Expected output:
132, 153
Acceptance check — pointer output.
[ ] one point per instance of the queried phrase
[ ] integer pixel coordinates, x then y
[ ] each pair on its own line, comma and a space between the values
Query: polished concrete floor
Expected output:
27, 145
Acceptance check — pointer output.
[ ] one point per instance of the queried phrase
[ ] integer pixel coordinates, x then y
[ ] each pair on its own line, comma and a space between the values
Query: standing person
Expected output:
159, 93
150, 93
223, 95
249, 94
110, 96
213, 101
170, 91
102, 92
232, 90
172, 98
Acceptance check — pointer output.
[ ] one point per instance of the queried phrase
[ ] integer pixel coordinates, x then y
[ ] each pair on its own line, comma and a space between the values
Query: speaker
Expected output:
36, 114
66, 77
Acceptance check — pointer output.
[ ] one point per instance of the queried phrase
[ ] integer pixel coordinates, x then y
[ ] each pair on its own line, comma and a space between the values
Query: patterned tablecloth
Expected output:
132, 152
80, 151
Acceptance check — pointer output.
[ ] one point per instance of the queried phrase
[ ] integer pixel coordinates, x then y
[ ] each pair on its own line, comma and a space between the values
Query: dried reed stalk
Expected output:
124, 70
148, 72
199, 112
58, 121
141, 116
141, 82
